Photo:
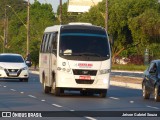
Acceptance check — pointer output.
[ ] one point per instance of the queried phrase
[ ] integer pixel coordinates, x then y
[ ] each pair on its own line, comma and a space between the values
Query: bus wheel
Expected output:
46, 88
103, 93
57, 91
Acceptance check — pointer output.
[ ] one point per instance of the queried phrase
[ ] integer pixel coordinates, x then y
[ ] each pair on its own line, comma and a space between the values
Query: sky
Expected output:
54, 3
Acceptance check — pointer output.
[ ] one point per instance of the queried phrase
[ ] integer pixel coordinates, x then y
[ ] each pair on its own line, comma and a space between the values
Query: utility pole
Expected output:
60, 10
5, 30
28, 27
106, 21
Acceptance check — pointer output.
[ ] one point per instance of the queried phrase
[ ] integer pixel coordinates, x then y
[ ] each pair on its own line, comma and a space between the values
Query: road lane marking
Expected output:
31, 96
152, 107
43, 100
131, 101
4, 86
72, 110
114, 98
90, 118
56, 105
13, 89
22, 92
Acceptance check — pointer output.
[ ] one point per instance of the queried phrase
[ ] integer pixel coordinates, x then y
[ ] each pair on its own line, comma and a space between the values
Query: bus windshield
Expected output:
84, 44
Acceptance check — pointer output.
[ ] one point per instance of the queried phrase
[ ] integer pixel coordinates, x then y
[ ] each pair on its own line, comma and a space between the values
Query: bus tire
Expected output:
45, 88
103, 93
57, 91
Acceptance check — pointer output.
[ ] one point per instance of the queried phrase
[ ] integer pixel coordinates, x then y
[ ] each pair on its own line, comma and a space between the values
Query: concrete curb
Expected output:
127, 71
114, 83
127, 85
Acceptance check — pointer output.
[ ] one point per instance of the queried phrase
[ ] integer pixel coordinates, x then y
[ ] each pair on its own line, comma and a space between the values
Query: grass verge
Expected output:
129, 67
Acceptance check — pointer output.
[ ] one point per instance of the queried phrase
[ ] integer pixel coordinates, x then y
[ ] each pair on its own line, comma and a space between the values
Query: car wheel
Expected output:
156, 93
103, 93
146, 94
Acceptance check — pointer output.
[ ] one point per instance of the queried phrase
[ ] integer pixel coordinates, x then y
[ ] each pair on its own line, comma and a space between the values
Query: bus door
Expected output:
53, 57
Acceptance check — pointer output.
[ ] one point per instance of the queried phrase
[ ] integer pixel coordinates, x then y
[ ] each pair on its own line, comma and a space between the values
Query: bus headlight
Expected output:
68, 70
104, 71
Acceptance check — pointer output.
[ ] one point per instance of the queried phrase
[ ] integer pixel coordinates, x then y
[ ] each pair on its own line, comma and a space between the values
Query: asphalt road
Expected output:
127, 73
29, 96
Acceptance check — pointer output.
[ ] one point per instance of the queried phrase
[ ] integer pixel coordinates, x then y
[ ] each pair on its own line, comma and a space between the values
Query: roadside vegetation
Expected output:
129, 67
134, 25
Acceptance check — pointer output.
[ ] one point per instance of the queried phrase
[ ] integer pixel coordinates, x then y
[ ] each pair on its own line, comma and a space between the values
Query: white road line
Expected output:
114, 98
4, 86
56, 105
43, 100
152, 107
131, 101
31, 96
72, 110
22, 92
90, 118
13, 89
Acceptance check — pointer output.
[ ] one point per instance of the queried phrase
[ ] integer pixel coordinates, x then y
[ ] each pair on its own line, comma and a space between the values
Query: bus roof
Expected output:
57, 27
53, 28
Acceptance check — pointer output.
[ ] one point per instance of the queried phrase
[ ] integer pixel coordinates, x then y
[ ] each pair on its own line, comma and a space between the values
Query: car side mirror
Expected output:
28, 63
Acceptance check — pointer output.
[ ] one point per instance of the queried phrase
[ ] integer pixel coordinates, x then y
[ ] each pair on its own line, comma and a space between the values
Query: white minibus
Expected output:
76, 56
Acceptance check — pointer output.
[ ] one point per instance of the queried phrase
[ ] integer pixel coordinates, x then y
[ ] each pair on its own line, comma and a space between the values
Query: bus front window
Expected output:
79, 44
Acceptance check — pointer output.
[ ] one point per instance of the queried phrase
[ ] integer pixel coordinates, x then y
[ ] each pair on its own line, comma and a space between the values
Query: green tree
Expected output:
96, 15
17, 5
41, 16
132, 23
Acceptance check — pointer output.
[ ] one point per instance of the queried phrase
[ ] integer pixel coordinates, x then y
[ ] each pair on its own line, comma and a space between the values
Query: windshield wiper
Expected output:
88, 54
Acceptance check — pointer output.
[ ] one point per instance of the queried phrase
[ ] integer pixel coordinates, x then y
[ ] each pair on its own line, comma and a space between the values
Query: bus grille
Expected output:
84, 72
80, 81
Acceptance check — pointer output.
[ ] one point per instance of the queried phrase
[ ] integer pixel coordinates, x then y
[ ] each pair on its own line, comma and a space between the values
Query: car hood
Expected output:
12, 65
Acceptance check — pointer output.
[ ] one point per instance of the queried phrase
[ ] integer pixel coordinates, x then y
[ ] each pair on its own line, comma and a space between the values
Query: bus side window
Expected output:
54, 43
46, 43
50, 43
43, 42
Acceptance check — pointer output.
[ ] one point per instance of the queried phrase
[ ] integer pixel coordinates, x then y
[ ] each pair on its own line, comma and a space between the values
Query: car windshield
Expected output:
11, 58
78, 43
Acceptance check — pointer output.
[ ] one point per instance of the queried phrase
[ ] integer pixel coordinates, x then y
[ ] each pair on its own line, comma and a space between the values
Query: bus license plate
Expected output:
85, 77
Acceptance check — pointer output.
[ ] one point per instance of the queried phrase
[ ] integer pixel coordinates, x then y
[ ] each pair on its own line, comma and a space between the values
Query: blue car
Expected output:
151, 81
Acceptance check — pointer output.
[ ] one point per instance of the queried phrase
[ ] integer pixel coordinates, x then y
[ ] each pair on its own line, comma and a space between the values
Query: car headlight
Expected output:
25, 68
104, 71
1, 68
